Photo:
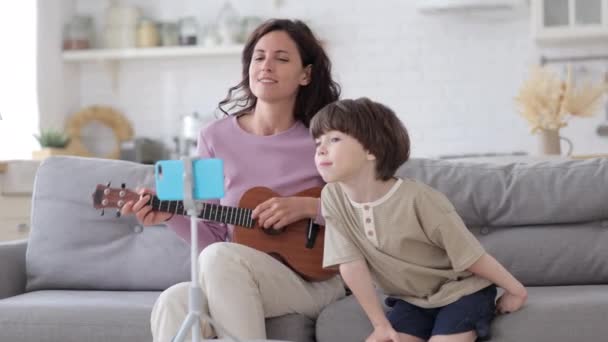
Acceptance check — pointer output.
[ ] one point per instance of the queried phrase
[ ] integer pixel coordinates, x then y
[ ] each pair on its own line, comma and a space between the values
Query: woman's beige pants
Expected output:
241, 287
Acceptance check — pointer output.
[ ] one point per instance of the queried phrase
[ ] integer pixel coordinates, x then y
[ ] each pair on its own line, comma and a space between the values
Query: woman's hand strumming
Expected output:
279, 212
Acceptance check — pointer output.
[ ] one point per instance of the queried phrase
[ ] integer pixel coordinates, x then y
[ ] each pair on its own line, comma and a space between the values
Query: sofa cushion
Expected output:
568, 254
513, 194
552, 314
295, 328
556, 314
72, 247
344, 320
76, 316
539, 218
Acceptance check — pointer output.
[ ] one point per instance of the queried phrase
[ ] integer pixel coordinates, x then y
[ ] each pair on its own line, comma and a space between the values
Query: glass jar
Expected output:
228, 24
78, 33
169, 34
119, 37
147, 33
120, 26
211, 36
188, 31
248, 25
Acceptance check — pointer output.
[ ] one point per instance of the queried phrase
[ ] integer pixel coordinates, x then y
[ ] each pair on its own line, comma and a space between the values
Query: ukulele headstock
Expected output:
107, 197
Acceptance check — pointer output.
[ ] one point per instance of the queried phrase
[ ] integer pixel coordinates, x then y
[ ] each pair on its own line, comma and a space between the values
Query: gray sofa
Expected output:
86, 277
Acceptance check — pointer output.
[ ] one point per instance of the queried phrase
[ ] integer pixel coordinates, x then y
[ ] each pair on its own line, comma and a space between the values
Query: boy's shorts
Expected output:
473, 312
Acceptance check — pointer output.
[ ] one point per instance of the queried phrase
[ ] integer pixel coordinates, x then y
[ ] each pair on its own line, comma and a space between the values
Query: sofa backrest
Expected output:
546, 221
72, 247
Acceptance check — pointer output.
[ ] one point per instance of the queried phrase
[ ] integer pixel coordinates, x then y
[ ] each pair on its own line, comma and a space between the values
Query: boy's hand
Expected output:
383, 333
509, 302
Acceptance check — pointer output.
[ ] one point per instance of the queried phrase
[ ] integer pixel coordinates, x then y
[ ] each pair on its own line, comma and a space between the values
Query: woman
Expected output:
286, 80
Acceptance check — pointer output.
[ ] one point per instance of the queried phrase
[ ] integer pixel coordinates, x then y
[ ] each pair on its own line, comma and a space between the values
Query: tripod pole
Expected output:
193, 319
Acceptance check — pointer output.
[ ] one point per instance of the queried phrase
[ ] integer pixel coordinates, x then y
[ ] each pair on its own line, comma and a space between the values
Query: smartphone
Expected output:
207, 178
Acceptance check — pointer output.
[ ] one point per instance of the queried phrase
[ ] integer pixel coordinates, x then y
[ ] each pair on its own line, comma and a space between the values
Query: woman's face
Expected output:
276, 72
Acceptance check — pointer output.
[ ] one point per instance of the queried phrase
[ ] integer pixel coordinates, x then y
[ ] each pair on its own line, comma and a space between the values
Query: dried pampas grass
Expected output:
546, 101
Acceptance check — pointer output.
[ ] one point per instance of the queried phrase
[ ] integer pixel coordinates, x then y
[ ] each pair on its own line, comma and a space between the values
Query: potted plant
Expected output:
548, 102
52, 142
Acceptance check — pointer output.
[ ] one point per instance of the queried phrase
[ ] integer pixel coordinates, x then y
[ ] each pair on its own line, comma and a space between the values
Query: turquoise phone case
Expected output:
207, 174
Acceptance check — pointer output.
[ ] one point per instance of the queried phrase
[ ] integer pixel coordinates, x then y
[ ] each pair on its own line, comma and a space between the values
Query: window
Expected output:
18, 87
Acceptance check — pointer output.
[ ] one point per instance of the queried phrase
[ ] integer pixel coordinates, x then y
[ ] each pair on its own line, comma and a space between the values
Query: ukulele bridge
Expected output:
311, 234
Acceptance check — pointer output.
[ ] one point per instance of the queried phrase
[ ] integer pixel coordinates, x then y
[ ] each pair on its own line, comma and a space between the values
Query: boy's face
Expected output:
340, 157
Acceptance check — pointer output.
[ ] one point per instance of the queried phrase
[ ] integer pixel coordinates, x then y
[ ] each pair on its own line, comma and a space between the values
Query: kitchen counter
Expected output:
16, 185
17, 176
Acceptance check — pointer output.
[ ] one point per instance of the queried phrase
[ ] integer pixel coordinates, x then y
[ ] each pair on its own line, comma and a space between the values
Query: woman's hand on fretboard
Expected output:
143, 210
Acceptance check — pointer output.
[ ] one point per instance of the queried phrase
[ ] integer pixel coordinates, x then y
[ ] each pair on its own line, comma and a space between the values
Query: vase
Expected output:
550, 142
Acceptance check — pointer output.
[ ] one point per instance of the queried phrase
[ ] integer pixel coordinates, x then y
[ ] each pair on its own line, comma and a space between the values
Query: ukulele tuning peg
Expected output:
108, 185
102, 212
123, 185
118, 213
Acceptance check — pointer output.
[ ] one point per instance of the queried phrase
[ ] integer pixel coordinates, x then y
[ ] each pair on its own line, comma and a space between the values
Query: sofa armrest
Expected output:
12, 268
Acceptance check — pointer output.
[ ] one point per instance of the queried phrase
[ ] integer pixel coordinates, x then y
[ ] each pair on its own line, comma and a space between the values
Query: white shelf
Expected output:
447, 6
148, 53
571, 36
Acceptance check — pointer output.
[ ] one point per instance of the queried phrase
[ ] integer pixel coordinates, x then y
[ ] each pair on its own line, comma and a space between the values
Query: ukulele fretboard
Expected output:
209, 211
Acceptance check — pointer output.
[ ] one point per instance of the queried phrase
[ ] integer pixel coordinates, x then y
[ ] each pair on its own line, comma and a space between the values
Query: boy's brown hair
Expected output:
374, 125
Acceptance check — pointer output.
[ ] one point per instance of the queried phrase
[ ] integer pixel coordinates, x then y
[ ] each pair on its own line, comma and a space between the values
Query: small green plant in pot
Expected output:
52, 142
52, 138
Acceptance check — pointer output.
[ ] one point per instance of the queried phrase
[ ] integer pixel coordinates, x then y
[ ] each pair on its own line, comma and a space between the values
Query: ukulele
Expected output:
298, 245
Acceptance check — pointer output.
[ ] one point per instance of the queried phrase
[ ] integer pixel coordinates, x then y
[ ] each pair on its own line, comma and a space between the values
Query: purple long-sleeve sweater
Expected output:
283, 162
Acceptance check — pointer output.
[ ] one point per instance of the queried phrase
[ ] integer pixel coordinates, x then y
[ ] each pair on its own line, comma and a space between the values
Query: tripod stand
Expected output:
193, 319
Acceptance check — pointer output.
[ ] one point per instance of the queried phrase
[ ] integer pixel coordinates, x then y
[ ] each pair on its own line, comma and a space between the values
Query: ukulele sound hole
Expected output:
272, 231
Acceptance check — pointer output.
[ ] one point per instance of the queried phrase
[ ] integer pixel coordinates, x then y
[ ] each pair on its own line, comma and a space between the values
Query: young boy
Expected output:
401, 234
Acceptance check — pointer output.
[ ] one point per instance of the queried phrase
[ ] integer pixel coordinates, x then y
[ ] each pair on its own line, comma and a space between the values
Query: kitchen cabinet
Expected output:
16, 198
14, 216
560, 22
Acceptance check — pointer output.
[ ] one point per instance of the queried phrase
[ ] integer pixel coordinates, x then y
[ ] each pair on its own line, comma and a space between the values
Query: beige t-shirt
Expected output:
415, 244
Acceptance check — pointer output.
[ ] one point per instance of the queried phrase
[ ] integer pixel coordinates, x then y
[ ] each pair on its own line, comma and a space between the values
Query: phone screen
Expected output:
207, 174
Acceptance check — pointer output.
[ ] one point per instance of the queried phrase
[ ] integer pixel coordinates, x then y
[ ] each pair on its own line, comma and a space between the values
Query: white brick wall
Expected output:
451, 78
